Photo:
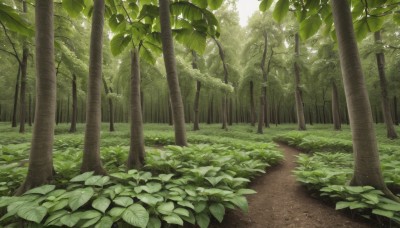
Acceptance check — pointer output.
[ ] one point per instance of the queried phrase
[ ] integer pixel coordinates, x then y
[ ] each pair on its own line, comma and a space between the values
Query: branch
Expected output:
12, 44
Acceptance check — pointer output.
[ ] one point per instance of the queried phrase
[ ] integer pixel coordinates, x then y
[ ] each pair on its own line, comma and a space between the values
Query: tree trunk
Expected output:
310, 115
136, 151
24, 66
252, 105
387, 117
74, 115
396, 117
172, 77
299, 100
91, 155
16, 93
40, 169
230, 112
197, 97
224, 111
30, 110
367, 169
110, 104
261, 116
335, 108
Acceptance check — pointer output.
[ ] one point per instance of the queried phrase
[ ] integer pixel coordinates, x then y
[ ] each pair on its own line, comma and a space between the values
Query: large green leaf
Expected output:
32, 213
203, 220
265, 5
101, 204
123, 201
13, 21
215, 4
42, 190
166, 208
136, 215
119, 42
281, 10
218, 211
310, 26
70, 220
73, 7
154, 222
80, 197
82, 177
173, 219
105, 222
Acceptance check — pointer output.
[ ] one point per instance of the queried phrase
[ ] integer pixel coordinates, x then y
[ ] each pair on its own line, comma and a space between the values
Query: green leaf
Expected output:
165, 177
281, 10
123, 201
101, 204
116, 212
218, 211
154, 222
119, 42
54, 218
80, 197
181, 211
70, 220
214, 4
241, 202
200, 206
82, 177
149, 199
105, 222
32, 213
136, 215
186, 204
173, 219
13, 21
342, 204
265, 5
43, 190
388, 214
246, 191
73, 7
203, 220
166, 208
372, 197
310, 26
97, 180
89, 214
152, 187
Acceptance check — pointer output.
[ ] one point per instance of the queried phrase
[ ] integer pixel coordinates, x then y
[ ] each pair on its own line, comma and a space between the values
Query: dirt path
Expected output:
282, 202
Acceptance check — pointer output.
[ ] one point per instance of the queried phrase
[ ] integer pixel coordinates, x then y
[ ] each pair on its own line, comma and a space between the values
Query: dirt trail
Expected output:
281, 202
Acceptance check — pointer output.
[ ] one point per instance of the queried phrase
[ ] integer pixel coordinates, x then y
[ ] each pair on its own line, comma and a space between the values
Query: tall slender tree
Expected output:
40, 169
298, 94
91, 154
172, 77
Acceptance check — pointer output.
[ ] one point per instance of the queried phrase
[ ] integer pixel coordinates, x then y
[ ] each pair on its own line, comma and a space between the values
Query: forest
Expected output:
173, 113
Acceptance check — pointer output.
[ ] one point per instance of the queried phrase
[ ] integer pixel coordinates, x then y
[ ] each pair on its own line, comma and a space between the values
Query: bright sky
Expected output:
246, 8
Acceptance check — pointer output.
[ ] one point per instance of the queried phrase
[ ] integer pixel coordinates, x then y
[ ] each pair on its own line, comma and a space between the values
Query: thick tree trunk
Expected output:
387, 117
91, 155
252, 105
110, 104
197, 96
74, 115
136, 151
367, 169
172, 77
40, 169
299, 100
335, 108
16, 93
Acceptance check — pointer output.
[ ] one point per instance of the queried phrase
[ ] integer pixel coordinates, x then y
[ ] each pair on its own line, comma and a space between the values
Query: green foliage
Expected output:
13, 21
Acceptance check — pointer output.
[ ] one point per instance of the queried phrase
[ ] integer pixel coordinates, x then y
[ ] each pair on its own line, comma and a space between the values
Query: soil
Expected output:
281, 202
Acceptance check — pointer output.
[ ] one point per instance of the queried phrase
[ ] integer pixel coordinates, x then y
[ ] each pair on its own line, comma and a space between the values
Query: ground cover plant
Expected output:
327, 167
194, 184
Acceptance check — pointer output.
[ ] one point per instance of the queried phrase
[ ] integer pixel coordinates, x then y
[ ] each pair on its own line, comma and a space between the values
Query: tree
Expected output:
367, 169
298, 93
172, 77
91, 154
40, 169
24, 66
380, 59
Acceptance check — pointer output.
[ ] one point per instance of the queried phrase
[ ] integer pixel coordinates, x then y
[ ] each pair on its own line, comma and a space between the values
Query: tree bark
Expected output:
299, 100
252, 105
136, 151
197, 96
24, 66
30, 110
91, 155
16, 93
387, 117
40, 170
261, 116
396, 117
74, 115
107, 90
172, 77
335, 108
367, 169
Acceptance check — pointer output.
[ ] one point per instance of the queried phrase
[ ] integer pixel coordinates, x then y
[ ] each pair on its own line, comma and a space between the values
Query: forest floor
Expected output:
282, 202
